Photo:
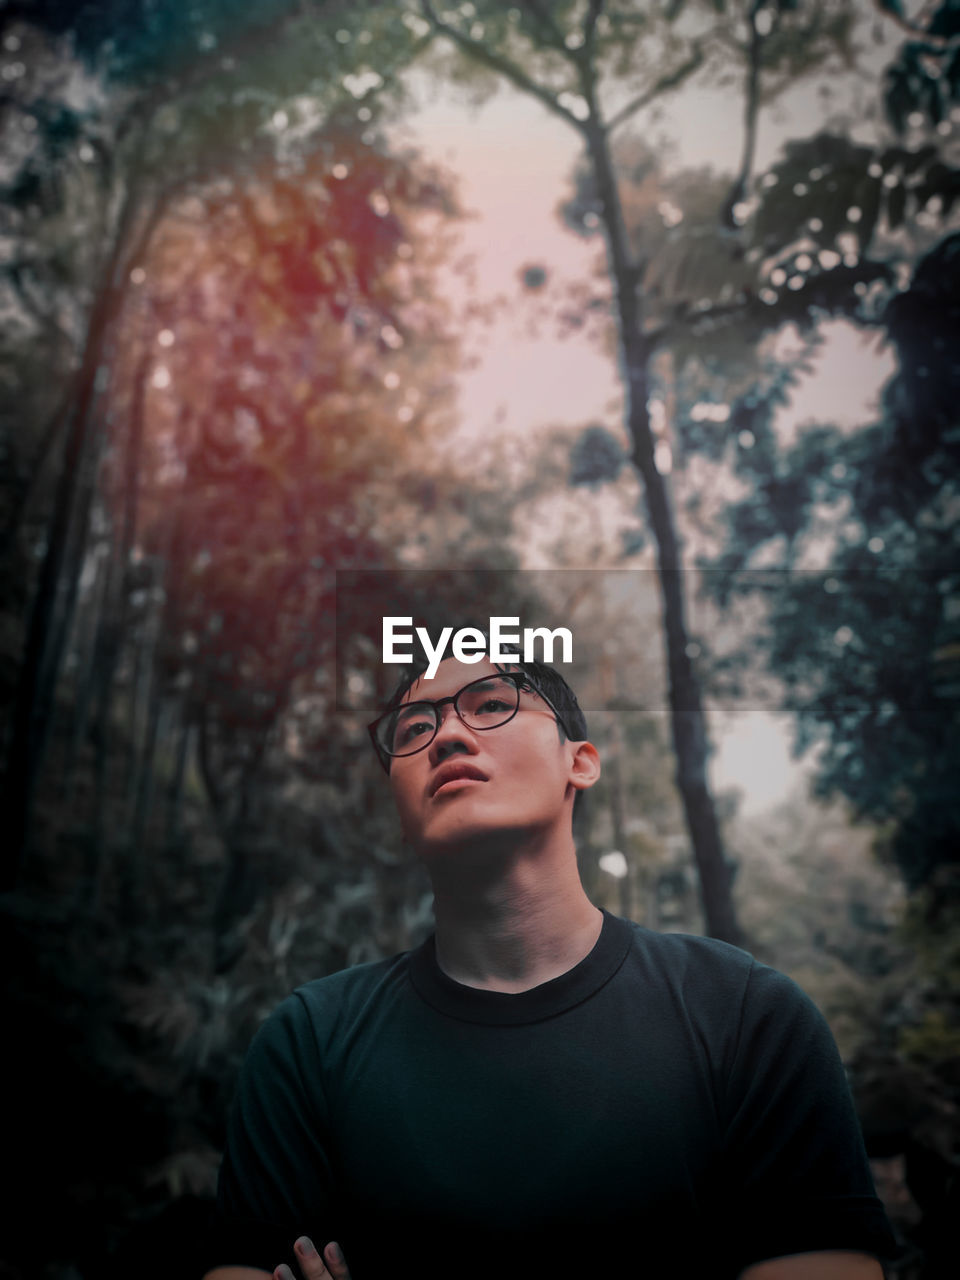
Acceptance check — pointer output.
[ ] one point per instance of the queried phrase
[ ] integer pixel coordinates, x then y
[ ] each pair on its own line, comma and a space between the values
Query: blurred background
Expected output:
642, 314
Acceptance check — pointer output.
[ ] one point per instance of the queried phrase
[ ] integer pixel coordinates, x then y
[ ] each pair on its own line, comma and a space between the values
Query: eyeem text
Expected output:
470, 645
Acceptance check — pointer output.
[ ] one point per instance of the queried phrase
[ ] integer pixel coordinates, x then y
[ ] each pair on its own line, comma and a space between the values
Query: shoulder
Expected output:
689, 961
723, 991
711, 965
311, 1014
355, 983
689, 949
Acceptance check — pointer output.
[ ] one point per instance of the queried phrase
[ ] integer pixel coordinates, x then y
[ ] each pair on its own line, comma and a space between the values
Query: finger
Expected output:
312, 1264
336, 1261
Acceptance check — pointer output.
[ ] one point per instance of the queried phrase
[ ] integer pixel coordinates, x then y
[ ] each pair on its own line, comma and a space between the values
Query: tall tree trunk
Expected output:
687, 719
54, 595
65, 602
233, 811
28, 485
173, 838
143, 800
613, 765
618, 811
89, 631
138, 706
112, 620
91, 884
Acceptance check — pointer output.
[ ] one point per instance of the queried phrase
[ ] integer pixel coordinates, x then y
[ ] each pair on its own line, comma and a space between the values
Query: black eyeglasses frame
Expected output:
519, 678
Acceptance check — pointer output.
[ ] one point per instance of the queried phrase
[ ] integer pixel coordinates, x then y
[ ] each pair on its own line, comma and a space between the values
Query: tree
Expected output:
595, 66
175, 103
866, 647
847, 541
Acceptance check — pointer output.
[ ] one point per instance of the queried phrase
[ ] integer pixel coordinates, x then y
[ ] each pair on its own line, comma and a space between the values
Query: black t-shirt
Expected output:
669, 1102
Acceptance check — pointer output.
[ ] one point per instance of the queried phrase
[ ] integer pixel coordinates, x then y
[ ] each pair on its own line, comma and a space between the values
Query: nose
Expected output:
452, 736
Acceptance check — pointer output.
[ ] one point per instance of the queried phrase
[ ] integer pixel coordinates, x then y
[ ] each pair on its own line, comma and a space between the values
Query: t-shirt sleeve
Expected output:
797, 1178
275, 1181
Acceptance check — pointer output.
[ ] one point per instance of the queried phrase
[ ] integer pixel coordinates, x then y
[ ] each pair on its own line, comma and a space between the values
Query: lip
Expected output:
459, 772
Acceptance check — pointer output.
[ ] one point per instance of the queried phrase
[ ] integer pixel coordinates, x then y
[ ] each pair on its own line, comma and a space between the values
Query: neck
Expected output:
511, 922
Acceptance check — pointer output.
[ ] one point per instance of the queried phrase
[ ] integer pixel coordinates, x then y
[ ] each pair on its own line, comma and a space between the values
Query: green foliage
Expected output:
930, 926
292, 423
933, 1042
148, 45
816, 904
862, 647
596, 458
828, 186
924, 323
925, 78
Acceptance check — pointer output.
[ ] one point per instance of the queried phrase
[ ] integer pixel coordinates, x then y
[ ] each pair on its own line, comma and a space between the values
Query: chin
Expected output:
469, 841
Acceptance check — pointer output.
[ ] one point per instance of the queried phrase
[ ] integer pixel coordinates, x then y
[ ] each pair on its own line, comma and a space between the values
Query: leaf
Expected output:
633, 541
597, 458
534, 276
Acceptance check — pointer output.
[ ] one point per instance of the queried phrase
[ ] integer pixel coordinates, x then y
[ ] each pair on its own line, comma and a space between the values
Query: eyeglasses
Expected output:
487, 703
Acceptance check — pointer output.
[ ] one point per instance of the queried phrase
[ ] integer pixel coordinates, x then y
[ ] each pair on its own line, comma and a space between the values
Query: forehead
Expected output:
452, 674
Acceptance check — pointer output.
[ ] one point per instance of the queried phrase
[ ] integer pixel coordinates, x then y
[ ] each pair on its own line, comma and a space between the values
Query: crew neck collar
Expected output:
506, 1008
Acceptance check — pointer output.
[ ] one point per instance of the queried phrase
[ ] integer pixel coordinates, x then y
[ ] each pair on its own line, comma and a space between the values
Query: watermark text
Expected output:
470, 645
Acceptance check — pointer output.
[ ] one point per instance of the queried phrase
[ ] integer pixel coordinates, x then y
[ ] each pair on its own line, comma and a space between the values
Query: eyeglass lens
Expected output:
482, 704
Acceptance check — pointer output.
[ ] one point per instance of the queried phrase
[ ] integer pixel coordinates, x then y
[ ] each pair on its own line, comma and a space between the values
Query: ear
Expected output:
585, 766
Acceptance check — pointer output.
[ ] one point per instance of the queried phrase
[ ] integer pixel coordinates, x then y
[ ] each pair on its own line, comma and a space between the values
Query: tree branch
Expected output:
663, 85
503, 66
590, 23
917, 28
750, 112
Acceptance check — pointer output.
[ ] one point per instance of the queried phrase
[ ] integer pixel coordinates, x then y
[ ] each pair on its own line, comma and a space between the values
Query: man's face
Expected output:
520, 773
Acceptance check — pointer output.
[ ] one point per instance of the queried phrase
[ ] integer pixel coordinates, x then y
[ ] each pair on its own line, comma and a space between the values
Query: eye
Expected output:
414, 728
410, 730
493, 705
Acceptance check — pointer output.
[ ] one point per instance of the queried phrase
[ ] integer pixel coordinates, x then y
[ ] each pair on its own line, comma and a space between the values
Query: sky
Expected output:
512, 161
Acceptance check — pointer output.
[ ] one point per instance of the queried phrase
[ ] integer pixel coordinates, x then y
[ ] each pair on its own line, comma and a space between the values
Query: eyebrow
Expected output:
482, 683
406, 709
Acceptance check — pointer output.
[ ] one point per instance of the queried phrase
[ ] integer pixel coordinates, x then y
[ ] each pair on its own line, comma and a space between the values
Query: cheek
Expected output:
534, 776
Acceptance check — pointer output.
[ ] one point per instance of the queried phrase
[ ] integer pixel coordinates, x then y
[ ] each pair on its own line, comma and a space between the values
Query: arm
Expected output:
800, 1201
833, 1265
275, 1177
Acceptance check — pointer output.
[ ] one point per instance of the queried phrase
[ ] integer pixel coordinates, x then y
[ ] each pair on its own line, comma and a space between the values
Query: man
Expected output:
541, 1088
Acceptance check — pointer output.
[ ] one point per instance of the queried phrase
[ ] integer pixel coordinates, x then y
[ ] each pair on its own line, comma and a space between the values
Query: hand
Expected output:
330, 1265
